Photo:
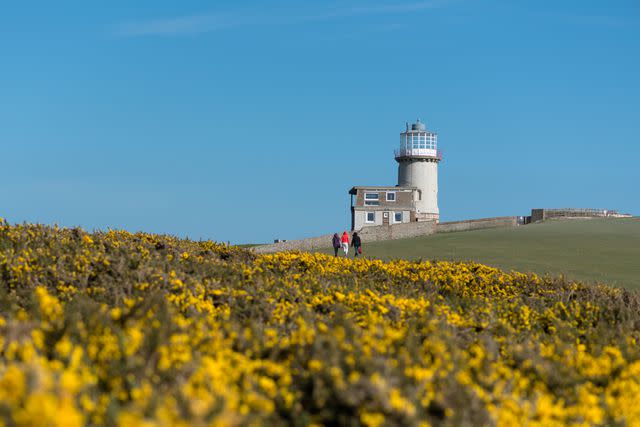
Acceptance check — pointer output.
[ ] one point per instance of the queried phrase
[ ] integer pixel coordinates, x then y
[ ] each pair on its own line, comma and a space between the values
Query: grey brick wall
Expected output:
477, 224
391, 232
367, 234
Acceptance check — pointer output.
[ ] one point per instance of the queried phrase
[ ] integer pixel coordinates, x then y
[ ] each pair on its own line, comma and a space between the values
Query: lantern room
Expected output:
417, 141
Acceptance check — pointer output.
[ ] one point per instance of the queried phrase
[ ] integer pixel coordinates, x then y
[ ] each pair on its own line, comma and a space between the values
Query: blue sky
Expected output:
248, 121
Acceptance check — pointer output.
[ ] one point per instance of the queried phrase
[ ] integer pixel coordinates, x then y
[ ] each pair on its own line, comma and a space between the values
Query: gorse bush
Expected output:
136, 329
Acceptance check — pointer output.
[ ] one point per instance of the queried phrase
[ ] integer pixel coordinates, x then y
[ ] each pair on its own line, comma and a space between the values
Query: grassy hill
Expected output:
589, 250
121, 329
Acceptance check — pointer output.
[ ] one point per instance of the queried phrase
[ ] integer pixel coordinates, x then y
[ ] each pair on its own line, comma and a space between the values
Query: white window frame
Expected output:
376, 198
395, 221
366, 217
395, 196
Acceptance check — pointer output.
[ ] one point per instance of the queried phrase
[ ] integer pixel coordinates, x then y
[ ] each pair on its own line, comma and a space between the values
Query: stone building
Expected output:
415, 197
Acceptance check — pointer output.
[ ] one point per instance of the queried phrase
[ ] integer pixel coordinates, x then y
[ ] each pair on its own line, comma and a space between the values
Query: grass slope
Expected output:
121, 329
590, 250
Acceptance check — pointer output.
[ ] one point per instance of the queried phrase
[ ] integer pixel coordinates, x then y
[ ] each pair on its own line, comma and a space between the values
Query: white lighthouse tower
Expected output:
418, 158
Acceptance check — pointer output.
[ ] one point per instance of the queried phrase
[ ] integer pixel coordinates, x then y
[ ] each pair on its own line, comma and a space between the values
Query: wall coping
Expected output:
466, 221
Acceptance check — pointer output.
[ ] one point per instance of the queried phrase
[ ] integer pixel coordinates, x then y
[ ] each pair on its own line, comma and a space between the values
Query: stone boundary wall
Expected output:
477, 224
417, 229
391, 232
367, 234
308, 244
538, 215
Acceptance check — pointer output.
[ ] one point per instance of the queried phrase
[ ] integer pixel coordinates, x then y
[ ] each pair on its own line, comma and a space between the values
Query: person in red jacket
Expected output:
345, 243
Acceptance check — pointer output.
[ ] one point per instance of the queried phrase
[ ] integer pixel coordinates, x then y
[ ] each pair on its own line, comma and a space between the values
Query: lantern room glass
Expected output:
410, 141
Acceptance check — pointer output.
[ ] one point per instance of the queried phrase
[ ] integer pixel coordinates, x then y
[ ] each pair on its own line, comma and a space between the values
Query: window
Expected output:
391, 196
371, 199
397, 217
371, 217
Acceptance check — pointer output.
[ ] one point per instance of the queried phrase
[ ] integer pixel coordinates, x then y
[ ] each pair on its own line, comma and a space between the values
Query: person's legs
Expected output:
335, 251
345, 248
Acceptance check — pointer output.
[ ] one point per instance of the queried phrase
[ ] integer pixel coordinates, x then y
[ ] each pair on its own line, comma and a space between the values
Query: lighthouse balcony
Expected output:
420, 153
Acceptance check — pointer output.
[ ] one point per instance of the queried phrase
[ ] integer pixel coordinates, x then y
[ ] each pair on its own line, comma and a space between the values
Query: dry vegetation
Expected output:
120, 328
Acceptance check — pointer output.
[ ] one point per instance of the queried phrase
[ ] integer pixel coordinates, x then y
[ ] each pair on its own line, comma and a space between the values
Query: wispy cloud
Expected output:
390, 8
205, 23
182, 25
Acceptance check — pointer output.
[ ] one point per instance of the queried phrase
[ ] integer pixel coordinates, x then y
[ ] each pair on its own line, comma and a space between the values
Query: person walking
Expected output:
357, 245
345, 243
336, 244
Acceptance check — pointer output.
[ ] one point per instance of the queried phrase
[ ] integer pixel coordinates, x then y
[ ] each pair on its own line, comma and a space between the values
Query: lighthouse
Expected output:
418, 157
415, 197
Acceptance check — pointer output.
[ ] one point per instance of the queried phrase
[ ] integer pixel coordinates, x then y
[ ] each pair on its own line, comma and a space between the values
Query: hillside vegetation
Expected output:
592, 250
135, 329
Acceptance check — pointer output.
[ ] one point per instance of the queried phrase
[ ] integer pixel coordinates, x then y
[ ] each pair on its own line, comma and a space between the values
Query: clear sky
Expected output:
248, 121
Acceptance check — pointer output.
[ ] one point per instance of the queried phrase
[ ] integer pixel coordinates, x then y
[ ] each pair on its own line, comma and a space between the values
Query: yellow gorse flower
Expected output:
127, 329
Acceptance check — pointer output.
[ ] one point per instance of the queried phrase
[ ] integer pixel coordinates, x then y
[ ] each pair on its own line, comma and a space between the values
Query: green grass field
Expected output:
594, 250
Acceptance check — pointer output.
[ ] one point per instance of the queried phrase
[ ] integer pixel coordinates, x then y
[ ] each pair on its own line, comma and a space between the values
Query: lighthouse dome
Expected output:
419, 126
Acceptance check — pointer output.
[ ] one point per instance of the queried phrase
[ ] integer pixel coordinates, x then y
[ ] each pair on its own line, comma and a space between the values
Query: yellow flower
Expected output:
315, 365
372, 419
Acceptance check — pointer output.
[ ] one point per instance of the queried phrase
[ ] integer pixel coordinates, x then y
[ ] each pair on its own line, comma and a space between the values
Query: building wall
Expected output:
403, 197
424, 175
360, 216
427, 217
404, 203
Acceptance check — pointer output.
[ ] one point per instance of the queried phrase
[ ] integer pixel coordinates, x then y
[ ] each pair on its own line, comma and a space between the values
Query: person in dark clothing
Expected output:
336, 244
356, 243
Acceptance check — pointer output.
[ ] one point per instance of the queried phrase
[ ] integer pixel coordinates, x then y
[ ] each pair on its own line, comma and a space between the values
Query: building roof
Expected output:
380, 187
